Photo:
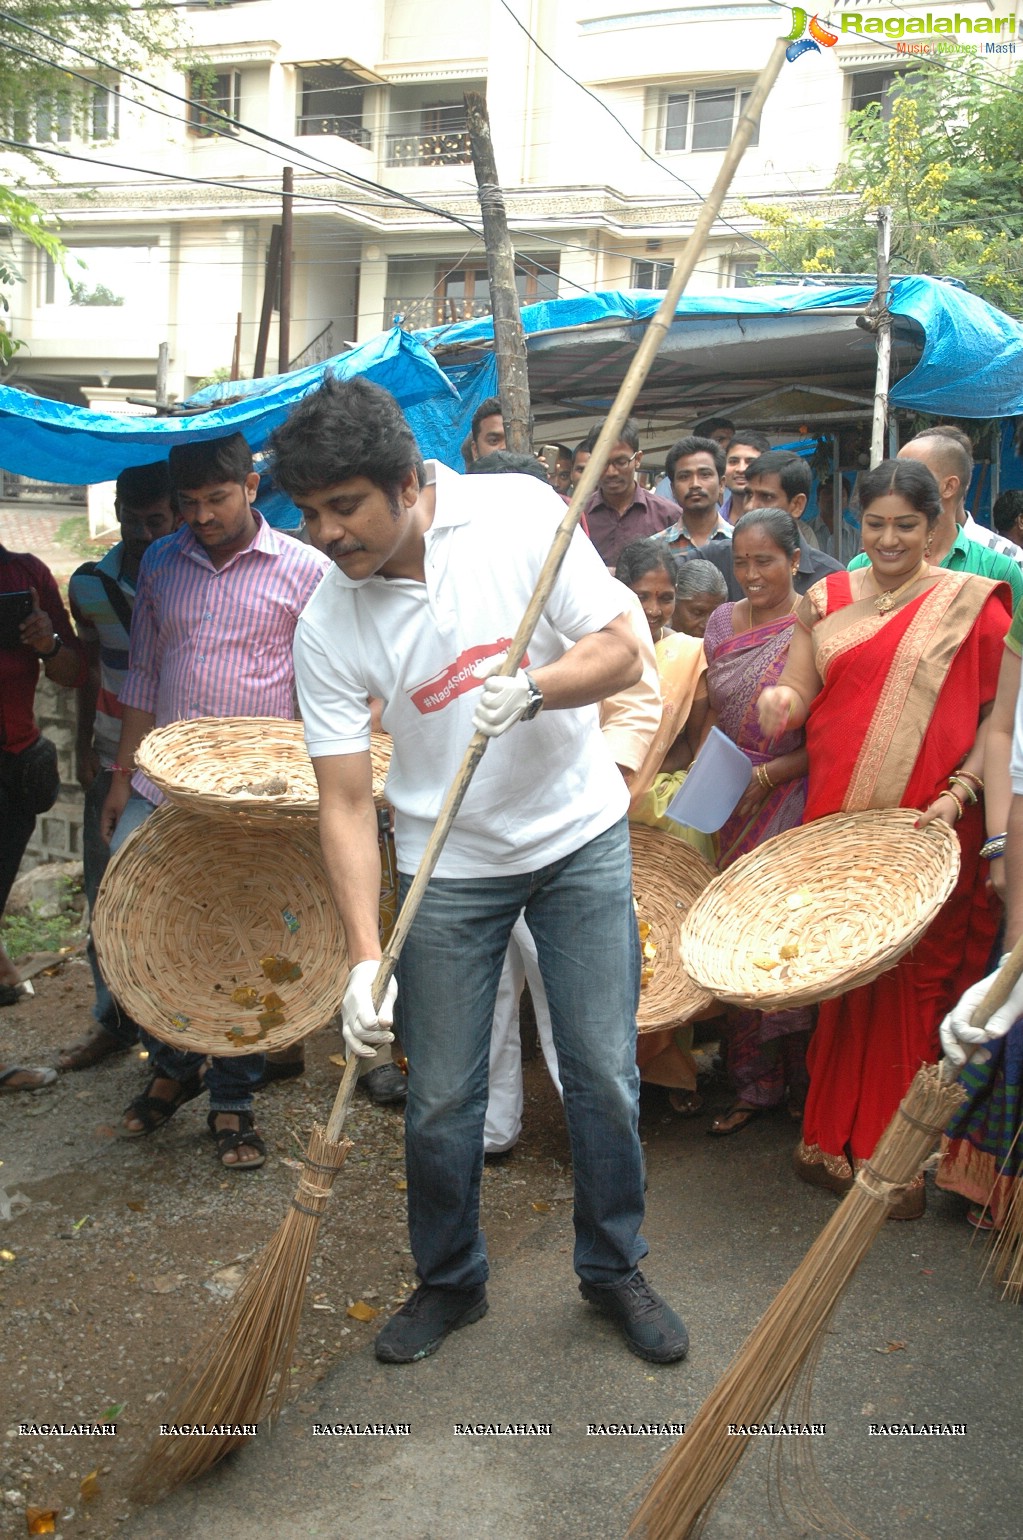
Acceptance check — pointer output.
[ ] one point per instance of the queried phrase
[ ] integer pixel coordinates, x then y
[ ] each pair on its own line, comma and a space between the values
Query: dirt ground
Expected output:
115, 1256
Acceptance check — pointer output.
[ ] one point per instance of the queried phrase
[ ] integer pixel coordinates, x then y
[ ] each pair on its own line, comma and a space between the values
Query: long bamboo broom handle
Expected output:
656, 331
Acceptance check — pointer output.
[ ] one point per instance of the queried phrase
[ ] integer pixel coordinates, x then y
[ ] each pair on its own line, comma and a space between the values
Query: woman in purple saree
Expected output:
747, 646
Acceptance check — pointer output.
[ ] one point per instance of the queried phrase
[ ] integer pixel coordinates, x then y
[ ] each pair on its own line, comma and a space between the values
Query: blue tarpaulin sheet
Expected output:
971, 367
52, 441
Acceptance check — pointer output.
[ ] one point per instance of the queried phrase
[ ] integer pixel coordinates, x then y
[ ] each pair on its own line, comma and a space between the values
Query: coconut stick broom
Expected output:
791, 1332
239, 1377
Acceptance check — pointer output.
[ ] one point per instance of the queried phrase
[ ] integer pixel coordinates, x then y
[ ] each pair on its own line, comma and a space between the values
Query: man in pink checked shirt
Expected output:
211, 635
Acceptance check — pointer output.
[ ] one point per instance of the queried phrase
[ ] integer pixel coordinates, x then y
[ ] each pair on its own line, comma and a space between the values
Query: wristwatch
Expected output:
535, 700
44, 657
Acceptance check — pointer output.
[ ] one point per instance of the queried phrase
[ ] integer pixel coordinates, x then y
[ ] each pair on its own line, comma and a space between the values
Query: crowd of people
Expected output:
705, 601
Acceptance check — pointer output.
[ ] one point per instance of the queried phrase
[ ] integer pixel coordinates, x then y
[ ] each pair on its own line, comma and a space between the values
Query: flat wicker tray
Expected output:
667, 877
821, 909
187, 909
222, 766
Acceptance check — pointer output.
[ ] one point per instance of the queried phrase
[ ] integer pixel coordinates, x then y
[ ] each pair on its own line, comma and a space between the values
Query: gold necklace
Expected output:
885, 601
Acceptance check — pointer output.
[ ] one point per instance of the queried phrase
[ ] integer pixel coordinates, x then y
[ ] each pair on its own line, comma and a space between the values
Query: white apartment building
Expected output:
604, 161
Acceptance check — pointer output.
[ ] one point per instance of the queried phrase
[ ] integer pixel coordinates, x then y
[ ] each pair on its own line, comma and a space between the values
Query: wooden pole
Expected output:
509, 338
287, 202
161, 375
270, 280
236, 351
883, 330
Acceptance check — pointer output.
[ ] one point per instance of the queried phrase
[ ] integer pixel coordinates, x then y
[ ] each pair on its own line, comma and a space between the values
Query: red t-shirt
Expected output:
19, 666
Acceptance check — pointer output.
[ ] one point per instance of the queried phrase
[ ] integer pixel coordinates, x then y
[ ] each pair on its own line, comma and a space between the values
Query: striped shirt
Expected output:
99, 625
990, 537
216, 642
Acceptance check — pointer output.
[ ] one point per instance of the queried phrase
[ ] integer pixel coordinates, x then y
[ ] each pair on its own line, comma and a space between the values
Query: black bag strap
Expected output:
118, 602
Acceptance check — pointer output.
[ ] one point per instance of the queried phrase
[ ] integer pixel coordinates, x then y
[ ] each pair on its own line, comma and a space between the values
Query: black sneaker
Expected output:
651, 1328
385, 1086
424, 1320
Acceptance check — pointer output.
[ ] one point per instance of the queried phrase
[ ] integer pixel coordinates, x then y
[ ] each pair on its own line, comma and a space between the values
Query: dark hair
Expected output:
792, 471
699, 576
465, 451
705, 429
506, 460
583, 444
210, 461
345, 428
779, 526
140, 486
644, 556
956, 451
909, 479
629, 434
1008, 508
694, 445
753, 437
491, 407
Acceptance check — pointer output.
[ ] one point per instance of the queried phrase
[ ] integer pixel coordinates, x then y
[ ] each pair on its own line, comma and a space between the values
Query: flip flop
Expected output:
745, 1116
45, 1077
688, 1104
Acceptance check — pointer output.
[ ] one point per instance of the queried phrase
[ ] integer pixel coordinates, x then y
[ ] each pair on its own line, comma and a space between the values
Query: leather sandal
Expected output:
154, 1111
228, 1139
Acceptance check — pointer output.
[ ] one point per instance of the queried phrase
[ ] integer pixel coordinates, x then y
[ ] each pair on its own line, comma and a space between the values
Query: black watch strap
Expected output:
44, 657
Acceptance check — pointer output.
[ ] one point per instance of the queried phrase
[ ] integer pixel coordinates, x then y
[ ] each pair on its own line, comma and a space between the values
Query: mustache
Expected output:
340, 548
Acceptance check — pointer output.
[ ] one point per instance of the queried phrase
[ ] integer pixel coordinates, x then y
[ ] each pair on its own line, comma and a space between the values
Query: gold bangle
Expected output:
763, 778
960, 804
967, 789
968, 775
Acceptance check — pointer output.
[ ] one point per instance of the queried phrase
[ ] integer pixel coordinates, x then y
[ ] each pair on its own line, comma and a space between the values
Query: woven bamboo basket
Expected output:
222, 766
667, 877
190, 912
821, 909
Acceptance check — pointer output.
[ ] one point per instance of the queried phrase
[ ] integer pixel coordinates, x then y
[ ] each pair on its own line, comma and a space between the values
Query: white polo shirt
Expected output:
543, 789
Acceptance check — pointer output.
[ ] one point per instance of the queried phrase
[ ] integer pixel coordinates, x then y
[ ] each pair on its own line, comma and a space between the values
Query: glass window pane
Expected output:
676, 122
744, 97
712, 119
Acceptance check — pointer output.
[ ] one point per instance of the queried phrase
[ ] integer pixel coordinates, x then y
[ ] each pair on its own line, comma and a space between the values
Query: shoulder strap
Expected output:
118, 600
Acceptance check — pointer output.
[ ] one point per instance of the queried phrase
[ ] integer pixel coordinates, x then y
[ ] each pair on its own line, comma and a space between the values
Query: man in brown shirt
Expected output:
621, 511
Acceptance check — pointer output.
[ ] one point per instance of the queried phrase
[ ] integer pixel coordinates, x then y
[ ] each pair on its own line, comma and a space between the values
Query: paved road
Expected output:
920, 1338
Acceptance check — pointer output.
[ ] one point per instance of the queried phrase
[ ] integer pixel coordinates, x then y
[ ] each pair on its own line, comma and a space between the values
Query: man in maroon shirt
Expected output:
29, 778
621, 511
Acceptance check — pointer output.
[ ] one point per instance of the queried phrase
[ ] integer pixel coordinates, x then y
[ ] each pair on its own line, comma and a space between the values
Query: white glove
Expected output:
363, 1028
957, 1031
503, 699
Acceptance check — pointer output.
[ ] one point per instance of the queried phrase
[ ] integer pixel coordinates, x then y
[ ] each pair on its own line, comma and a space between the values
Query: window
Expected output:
741, 270
703, 120
220, 94
105, 114
439, 138
868, 86
48, 122
331, 102
460, 293
651, 275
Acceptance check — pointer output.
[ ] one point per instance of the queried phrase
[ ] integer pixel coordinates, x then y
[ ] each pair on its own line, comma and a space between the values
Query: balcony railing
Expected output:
341, 128
440, 149
432, 310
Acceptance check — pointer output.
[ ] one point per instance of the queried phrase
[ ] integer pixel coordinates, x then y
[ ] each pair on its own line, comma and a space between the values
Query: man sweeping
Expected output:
432, 573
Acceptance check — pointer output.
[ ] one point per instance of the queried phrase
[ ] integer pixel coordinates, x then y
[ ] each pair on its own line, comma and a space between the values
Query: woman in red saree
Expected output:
893, 669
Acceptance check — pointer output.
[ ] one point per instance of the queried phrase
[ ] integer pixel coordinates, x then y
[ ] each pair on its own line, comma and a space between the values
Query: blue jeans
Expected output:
580, 913
230, 1081
95, 855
